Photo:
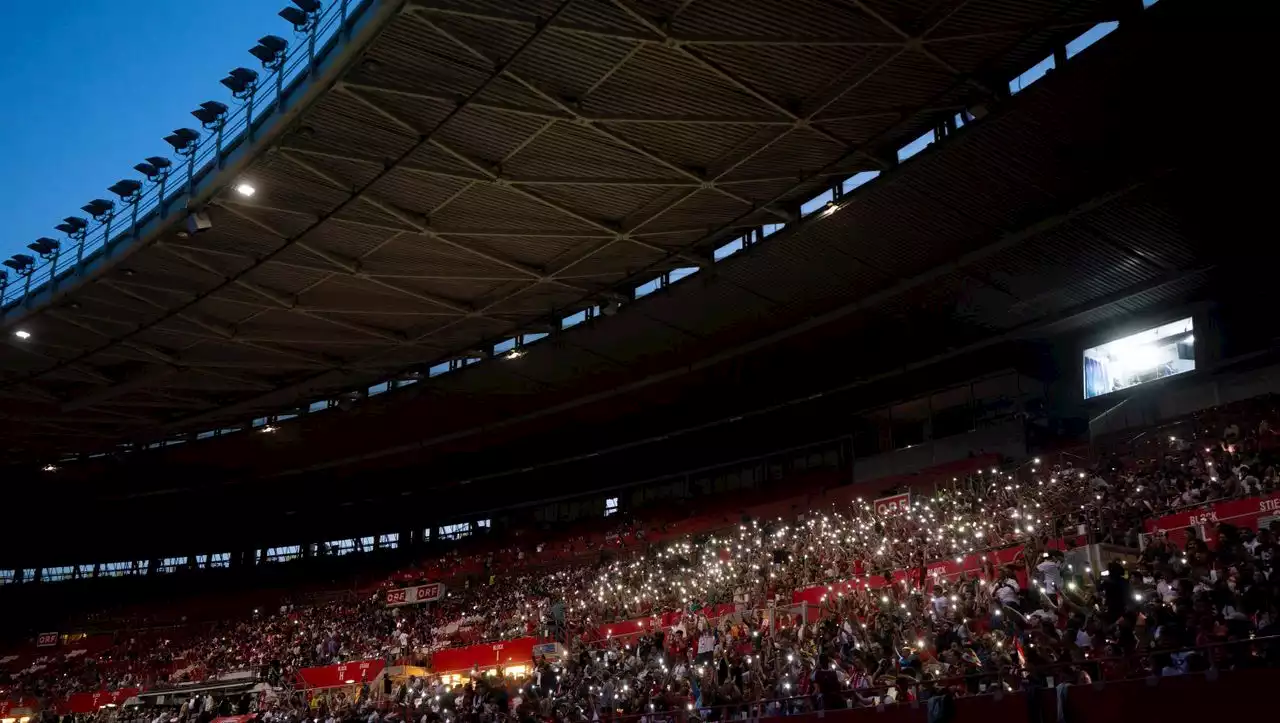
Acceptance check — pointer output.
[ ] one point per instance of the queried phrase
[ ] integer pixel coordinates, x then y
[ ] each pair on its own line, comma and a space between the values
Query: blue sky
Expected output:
91, 87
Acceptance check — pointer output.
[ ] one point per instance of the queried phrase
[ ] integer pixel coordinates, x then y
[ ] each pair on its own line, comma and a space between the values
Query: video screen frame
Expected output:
1159, 352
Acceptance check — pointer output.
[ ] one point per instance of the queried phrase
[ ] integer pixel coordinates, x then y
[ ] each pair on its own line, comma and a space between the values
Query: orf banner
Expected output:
430, 592
46, 640
332, 676
892, 504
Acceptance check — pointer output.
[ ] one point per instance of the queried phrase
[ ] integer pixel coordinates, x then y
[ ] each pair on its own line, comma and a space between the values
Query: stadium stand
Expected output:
734, 611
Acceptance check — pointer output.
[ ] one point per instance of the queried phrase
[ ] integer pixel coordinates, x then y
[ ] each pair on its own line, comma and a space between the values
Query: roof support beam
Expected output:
594, 125
284, 302
915, 44
715, 69
145, 377
512, 18
422, 226
352, 88
352, 267
621, 234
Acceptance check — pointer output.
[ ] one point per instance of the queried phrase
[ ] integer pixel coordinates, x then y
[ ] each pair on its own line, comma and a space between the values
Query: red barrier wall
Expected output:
506, 652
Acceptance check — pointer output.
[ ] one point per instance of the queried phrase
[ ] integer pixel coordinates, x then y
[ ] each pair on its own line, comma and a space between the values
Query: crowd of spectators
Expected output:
1169, 609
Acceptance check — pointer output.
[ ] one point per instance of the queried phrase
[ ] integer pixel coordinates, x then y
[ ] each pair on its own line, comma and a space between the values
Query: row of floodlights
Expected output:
271, 50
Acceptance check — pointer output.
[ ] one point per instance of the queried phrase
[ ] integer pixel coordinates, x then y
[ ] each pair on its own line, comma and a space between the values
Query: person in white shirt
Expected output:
940, 602
1006, 588
706, 645
1050, 569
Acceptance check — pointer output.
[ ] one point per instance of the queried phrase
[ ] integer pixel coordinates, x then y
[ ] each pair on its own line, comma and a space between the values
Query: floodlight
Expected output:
241, 81
154, 168
183, 140
274, 43
44, 246
20, 263
210, 112
72, 225
307, 6
263, 53
99, 208
296, 17
22, 334
245, 189
270, 50
127, 189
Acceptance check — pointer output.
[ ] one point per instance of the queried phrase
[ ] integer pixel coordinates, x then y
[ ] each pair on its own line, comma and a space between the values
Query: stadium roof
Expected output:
447, 175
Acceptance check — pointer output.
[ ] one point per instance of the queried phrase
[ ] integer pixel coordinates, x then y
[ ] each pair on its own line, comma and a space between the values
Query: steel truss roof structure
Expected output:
480, 169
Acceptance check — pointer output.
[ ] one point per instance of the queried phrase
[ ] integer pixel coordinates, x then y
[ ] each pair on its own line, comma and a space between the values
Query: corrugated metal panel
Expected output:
566, 150
661, 80
795, 18
612, 203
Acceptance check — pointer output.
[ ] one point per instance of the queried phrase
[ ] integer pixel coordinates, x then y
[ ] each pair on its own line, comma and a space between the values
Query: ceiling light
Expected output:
269, 429
246, 190
22, 334
49, 468
515, 354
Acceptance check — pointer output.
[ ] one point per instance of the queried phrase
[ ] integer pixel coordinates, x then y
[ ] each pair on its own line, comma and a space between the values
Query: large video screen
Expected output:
1139, 358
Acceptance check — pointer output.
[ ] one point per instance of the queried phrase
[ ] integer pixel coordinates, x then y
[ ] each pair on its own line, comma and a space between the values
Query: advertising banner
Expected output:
81, 703
430, 592
1245, 512
934, 572
892, 504
46, 640
487, 655
332, 676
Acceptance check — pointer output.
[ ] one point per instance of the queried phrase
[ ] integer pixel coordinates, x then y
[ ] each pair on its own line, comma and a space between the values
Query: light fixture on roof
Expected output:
271, 50
303, 16
515, 353
24, 264
100, 208
46, 247
72, 225
211, 113
245, 189
128, 189
49, 468
197, 222
269, 429
183, 141
155, 168
242, 82
22, 334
